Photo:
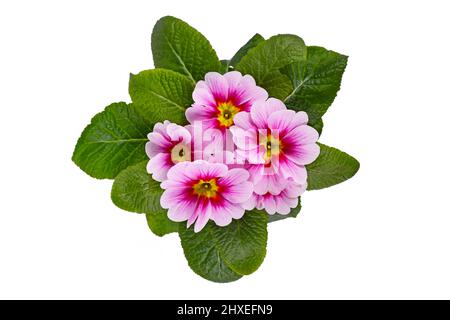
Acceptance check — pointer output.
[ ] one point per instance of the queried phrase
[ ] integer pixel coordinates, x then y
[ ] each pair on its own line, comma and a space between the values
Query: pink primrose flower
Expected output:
220, 97
200, 191
281, 203
277, 144
168, 145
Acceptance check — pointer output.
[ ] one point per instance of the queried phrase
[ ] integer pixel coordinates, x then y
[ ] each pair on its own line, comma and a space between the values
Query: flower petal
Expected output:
304, 154
178, 133
202, 96
234, 177
294, 190
282, 121
243, 121
261, 111
238, 193
182, 211
157, 144
204, 213
221, 214
270, 205
218, 86
250, 204
252, 91
302, 135
159, 165
272, 184
289, 169
200, 113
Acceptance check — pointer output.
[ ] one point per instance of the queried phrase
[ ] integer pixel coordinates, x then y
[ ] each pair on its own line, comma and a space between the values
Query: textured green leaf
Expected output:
331, 167
203, 255
264, 61
253, 42
243, 242
161, 95
160, 224
134, 190
225, 66
179, 47
114, 140
293, 214
318, 125
222, 254
315, 81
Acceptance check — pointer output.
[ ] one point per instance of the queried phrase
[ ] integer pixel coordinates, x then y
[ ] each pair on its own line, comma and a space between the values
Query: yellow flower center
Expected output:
180, 153
206, 189
227, 111
272, 146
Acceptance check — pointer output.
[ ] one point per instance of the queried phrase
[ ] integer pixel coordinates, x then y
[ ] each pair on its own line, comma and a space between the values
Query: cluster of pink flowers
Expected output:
242, 150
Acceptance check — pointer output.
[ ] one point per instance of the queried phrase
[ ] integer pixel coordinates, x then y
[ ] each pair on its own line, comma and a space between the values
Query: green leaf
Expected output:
253, 42
114, 140
293, 214
203, 255
223, 254
243, 242
161, 95
160, 224
315, 81
134, 190
264, 61
225, 65
179, 47
318, 125
331, 167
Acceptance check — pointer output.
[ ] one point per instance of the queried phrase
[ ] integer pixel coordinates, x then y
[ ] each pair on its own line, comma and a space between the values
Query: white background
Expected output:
383, 234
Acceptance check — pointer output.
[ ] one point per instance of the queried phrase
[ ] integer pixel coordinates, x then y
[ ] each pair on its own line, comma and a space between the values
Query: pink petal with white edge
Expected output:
234, 177
201, 169
200, 113
270, 205
202, 96
158, 143
261, 111
253, 92
281, 205
243, 121
294, 190
256, 172
178, 133
233, 79
269, 183
245, 139
161, 128
304, 154
291, 202
218, 85
302, 135
170, 198
239, 193
289, 169
236, 211
221, 214
159, 165
204, 213
182, 211
152, 149
281, 120
250, 204
300, 118
179, 172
